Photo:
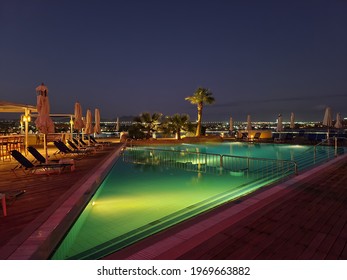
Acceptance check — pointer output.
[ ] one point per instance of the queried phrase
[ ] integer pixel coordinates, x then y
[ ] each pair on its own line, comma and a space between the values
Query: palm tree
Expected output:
149, 123
200, 97
177, 123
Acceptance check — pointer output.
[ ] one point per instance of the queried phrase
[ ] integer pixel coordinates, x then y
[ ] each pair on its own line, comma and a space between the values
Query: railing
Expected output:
212, 163
129, 140
260, 167
324, 151
328, 142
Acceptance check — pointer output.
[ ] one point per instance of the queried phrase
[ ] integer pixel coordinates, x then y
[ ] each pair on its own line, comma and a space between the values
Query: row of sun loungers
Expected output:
28, 167
245, 137
64, 151
75, 149
68, 153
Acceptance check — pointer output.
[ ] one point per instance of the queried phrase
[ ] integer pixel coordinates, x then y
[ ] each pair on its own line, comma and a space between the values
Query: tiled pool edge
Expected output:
171, 246
44, 239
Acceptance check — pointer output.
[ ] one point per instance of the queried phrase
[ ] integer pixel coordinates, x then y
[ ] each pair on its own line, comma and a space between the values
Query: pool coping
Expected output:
49, 232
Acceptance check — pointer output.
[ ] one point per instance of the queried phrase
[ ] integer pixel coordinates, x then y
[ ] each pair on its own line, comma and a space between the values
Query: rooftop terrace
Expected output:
303, 218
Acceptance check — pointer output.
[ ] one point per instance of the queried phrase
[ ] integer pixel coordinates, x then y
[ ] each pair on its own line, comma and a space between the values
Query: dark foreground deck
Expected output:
304, 219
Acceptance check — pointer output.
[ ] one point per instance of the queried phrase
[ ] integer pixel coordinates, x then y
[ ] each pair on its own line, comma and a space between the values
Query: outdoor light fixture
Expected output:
26, 118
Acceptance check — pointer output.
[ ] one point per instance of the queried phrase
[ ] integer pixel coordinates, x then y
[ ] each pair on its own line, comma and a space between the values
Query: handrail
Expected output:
130, 140
269, 160
335, 138
226, 162
314, 147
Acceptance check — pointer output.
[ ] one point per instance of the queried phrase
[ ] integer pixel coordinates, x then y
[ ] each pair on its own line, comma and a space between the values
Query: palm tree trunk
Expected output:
178, 134
198, 128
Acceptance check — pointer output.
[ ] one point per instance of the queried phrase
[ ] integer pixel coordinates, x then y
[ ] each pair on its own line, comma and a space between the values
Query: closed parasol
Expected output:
117, 124
43, 122
97, 128
89, 128
279, 123
327, 121
78, 123
249, 124
231, 125
292, 120
338, 123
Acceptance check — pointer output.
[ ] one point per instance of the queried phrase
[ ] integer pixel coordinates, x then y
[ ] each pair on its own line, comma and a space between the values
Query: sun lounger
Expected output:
65, 150
256, 136
27, 167
97, 142
76, 142
244, 136
79, 143
76, 148
37, 155
84, 144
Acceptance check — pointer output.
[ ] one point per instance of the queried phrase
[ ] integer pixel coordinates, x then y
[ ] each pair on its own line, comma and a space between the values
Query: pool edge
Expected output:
46, 232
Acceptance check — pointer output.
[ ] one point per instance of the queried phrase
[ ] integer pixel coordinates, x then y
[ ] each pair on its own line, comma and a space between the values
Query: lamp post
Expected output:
26, 119
71, 128
21, 122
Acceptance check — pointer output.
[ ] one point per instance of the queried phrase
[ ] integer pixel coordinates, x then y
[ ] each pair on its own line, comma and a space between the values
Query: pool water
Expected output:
137, 200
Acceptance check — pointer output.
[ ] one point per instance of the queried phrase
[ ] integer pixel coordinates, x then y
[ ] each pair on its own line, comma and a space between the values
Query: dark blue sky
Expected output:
126, 57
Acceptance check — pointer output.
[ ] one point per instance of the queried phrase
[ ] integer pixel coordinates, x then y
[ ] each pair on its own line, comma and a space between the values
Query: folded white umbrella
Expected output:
43, 122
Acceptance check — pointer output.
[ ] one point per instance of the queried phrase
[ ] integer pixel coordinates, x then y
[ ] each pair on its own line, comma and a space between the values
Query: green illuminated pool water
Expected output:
137, 200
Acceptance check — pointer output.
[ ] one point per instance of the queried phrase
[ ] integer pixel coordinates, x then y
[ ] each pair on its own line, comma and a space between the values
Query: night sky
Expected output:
126, 57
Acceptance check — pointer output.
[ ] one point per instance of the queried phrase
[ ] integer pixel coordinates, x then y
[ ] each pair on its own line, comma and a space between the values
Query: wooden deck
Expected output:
307, 220
41, 194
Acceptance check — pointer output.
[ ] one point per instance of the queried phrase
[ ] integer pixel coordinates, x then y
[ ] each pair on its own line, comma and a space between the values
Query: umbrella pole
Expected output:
26, 123
45, 146
79, 138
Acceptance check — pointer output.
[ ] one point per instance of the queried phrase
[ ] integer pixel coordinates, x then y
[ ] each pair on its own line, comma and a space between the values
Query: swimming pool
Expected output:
143, 195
